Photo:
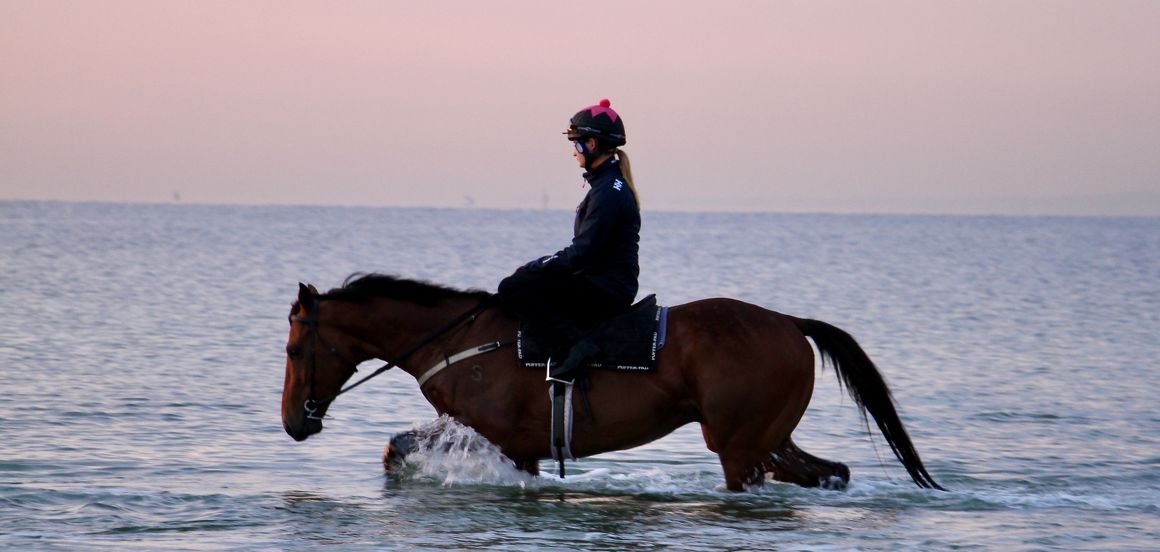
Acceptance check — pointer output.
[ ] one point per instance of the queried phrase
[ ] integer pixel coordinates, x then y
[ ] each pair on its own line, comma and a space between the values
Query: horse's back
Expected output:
735, 321
722, 337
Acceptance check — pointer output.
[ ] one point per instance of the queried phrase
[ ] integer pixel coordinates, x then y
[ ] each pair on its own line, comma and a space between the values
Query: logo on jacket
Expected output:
617, 184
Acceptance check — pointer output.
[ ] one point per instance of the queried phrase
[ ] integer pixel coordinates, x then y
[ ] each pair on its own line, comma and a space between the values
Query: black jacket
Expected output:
605, 246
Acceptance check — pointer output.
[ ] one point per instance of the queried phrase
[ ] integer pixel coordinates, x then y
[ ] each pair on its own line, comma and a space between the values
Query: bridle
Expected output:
313, 405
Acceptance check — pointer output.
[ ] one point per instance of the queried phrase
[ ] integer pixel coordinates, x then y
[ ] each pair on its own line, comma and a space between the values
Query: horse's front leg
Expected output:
396, 451
529, 465
403, 444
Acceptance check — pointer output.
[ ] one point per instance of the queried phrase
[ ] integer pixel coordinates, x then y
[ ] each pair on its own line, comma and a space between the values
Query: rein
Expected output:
313, 405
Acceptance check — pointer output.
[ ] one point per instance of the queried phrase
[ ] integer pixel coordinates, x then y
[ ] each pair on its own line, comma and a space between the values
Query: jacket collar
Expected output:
595, 174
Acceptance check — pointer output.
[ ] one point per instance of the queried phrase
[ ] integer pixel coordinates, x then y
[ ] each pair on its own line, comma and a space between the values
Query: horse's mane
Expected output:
361, 288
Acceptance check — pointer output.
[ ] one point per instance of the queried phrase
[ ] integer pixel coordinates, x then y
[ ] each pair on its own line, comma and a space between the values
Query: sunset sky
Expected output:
1009, 107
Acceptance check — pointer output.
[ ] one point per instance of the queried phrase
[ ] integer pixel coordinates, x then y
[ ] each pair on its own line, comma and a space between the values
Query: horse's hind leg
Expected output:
744, 428
794, 465
744, 445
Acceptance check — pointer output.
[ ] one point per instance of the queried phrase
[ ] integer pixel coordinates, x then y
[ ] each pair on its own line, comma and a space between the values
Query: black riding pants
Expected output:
557, 305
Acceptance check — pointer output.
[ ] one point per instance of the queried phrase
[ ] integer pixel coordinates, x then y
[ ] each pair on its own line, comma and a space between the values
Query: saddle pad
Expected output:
628, 342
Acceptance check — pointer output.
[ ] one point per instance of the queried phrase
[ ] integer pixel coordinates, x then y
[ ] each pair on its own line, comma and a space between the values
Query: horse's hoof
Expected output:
395, 453
833, 483
392, 461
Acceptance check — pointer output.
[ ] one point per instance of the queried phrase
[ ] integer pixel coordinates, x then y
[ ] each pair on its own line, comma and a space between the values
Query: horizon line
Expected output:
674, 210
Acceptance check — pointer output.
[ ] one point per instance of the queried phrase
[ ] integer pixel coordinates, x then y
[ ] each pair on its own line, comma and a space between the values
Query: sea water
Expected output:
141, 362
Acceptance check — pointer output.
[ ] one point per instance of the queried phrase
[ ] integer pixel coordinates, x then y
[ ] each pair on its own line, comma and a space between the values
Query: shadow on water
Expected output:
311, 517
604, 507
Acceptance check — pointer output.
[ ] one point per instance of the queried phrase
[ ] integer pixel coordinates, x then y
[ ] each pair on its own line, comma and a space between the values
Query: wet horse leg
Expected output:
529, 465
794, 465
743, 445
745, 427
402, 444
791, 464
396, 451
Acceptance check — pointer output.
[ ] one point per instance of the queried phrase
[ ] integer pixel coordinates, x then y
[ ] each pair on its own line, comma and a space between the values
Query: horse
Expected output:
745, 373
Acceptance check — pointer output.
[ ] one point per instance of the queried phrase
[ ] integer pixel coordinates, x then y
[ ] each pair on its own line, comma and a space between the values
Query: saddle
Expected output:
628, 342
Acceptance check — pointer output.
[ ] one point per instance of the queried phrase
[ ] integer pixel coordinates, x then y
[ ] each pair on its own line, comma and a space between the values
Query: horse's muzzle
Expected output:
309, 427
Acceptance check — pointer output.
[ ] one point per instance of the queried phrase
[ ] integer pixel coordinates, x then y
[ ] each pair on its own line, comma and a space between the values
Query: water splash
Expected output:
454, 454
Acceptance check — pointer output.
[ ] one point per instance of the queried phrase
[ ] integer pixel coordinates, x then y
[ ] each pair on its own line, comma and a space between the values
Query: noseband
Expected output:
312, 405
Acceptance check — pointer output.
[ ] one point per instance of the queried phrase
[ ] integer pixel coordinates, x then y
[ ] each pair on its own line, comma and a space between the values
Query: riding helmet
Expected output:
598, 121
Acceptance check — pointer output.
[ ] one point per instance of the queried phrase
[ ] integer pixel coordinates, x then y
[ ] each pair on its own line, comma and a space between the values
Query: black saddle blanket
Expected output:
627, 342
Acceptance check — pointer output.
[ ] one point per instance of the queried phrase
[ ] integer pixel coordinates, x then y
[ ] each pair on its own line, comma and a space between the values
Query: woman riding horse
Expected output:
596, 276
744, 373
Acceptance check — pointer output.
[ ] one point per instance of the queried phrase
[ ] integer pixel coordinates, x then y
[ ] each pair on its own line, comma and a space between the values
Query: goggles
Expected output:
579, 145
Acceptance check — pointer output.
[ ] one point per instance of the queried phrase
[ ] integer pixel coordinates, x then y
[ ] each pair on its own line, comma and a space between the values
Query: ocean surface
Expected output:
141, 363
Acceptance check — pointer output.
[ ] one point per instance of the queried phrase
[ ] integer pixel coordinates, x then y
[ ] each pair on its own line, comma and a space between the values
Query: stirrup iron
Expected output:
548, 375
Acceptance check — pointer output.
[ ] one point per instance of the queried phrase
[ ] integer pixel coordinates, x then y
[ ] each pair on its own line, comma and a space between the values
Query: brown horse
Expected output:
746, 374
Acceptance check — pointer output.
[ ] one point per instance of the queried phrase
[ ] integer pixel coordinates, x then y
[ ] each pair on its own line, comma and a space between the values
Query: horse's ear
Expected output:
306, 295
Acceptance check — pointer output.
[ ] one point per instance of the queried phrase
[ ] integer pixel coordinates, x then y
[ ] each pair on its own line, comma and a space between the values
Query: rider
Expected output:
596, 276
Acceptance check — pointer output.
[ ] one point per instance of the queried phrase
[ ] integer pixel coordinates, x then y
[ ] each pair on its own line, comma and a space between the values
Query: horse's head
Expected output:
315, 367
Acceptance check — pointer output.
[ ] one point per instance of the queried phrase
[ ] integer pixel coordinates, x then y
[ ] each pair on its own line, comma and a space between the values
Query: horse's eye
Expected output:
292, 352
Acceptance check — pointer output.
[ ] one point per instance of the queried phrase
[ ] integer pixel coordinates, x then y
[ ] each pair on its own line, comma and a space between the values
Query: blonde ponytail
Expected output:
626, 170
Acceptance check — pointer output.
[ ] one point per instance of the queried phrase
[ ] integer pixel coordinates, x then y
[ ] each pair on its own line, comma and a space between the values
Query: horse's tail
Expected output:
865, 385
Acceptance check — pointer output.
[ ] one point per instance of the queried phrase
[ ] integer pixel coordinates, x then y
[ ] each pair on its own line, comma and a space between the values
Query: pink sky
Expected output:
1045, 107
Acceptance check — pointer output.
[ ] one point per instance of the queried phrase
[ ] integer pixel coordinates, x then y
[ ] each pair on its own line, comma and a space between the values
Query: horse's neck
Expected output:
393, 327
446, 393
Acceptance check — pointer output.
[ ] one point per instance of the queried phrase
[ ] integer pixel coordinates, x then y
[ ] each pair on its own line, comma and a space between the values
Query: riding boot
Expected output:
577, 356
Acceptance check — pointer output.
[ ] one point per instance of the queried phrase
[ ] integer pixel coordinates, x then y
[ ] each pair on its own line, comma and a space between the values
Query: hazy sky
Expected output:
895, 106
